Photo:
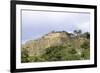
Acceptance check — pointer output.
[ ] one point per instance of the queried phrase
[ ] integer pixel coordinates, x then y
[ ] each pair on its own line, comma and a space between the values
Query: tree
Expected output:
85, 45
87, 35
54, 53
53, 31
24, 55
86, 50
72, 51
85, 54
77, 32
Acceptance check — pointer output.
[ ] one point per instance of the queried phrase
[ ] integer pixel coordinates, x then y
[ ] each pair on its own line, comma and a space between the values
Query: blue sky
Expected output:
37, 23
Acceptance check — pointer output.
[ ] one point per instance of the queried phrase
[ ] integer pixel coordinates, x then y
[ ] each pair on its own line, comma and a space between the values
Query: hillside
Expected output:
56, 46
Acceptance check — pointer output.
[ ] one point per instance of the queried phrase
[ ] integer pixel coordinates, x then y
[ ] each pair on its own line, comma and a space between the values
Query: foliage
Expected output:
86, 50
85, 54
87, 35
65, 52
77, 32
36, 59
57, 53
54, 53
24, 55
85, 45
72, 51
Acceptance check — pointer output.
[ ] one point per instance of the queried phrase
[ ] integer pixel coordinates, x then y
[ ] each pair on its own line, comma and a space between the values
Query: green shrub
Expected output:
85, 54
57, 53
85, 45
72, 57
60, 53
72, 51
54, 53
24, 55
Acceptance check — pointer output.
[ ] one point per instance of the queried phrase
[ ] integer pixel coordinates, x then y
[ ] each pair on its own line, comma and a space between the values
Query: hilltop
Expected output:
54, 42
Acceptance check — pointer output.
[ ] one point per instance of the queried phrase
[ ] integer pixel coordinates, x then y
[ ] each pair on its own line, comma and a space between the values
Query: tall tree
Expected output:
78, 32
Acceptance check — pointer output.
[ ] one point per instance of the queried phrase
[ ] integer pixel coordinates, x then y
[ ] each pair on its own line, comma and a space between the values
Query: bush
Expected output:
24, 55
72, 57
36, 59
57, 53
54, 53
86, 54
85, 45
60, 53
72, 51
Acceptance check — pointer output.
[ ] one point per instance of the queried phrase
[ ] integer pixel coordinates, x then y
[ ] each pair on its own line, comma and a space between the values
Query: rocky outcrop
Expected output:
36, 47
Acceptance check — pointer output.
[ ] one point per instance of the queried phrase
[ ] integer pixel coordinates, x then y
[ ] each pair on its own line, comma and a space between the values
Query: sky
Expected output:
37, 23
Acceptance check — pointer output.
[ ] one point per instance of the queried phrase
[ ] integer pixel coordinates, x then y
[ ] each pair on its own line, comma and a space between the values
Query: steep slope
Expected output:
56, 46
36, 47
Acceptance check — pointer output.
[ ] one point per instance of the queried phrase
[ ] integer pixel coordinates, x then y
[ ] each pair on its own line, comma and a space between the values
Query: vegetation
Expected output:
24, 55
77, 32
86, 51
73, 50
